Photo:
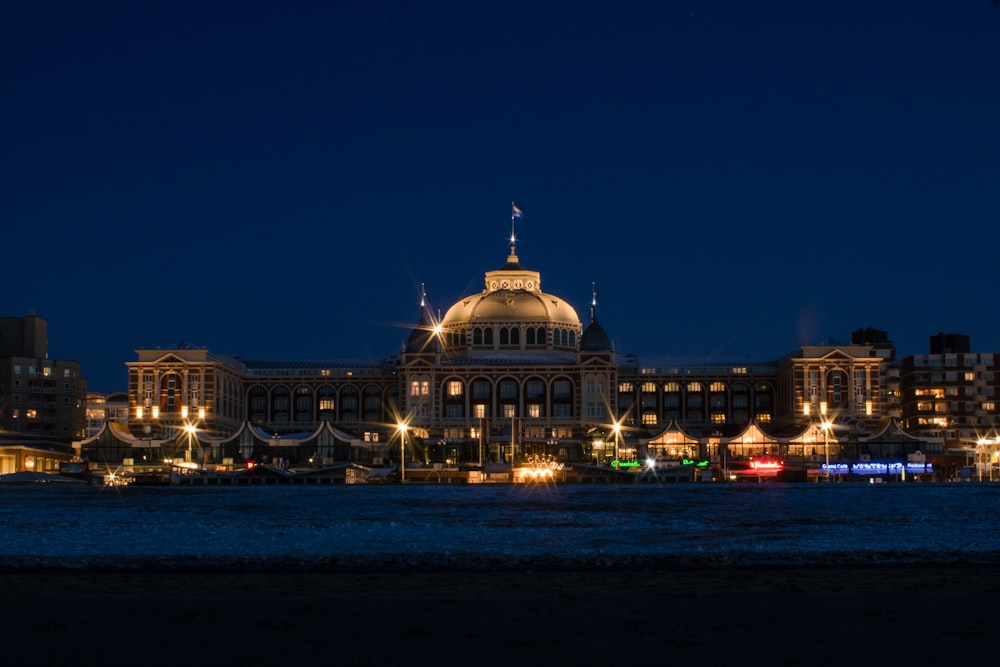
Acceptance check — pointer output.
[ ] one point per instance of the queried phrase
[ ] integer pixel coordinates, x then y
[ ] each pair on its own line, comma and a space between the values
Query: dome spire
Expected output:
423, 338
593, 302
595, 338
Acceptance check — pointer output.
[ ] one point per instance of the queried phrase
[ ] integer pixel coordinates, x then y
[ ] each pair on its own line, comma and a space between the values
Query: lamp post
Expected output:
980, 451
825, 425
402, 451
190, 429
618, 430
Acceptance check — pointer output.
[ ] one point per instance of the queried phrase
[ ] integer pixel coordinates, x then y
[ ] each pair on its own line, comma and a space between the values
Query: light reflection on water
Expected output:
727, 522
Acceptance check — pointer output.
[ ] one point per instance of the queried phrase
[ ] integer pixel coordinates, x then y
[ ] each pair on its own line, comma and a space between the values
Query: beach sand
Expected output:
826, 615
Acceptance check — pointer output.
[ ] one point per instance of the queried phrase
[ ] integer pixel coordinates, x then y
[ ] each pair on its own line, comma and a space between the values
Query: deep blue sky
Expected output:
276, 179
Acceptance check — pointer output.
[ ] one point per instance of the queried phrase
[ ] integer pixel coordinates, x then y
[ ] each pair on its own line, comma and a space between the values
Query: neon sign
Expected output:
878, 468
766, 465
624, 464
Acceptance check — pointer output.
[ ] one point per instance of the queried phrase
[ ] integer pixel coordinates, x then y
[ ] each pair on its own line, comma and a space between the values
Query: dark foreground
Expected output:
884, 615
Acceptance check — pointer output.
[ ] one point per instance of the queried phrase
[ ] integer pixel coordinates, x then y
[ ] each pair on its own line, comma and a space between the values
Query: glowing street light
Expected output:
190, 428
402, 450
618, 430
826, 426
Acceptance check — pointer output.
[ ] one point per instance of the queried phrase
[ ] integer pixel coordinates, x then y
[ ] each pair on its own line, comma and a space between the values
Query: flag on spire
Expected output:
515, 211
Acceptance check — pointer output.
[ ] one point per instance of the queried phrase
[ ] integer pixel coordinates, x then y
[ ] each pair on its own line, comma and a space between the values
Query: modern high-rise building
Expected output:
38, 395
41, 400
951, 392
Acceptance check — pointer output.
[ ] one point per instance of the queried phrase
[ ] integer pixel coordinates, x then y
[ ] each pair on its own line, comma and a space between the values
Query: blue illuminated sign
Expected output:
877, 468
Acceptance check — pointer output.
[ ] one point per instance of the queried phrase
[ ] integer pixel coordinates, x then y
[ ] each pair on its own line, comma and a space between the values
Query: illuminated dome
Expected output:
512, 313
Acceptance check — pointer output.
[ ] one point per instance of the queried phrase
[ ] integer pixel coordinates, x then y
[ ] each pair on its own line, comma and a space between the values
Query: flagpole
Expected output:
513, 214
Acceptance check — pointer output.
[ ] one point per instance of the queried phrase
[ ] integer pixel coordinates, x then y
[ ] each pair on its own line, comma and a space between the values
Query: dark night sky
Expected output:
276, 179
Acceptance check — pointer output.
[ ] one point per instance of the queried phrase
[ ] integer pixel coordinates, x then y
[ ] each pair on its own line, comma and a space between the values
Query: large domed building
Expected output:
508, 362
511, 368
511, 317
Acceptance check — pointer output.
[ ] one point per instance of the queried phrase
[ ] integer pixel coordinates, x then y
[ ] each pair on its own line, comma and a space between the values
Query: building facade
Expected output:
38, 396
951, 392
513, 371
104, 408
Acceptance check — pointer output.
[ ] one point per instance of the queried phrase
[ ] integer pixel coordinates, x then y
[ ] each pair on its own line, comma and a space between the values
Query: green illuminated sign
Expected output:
624, 464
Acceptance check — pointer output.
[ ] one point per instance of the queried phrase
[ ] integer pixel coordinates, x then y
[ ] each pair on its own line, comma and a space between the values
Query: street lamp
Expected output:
190, 428
825, 425
618, 430
402, 451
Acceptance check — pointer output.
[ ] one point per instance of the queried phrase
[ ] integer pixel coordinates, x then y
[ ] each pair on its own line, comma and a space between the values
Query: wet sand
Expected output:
891, 614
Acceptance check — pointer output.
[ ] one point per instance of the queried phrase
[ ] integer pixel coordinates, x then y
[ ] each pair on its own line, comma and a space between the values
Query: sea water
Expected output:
500, 524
